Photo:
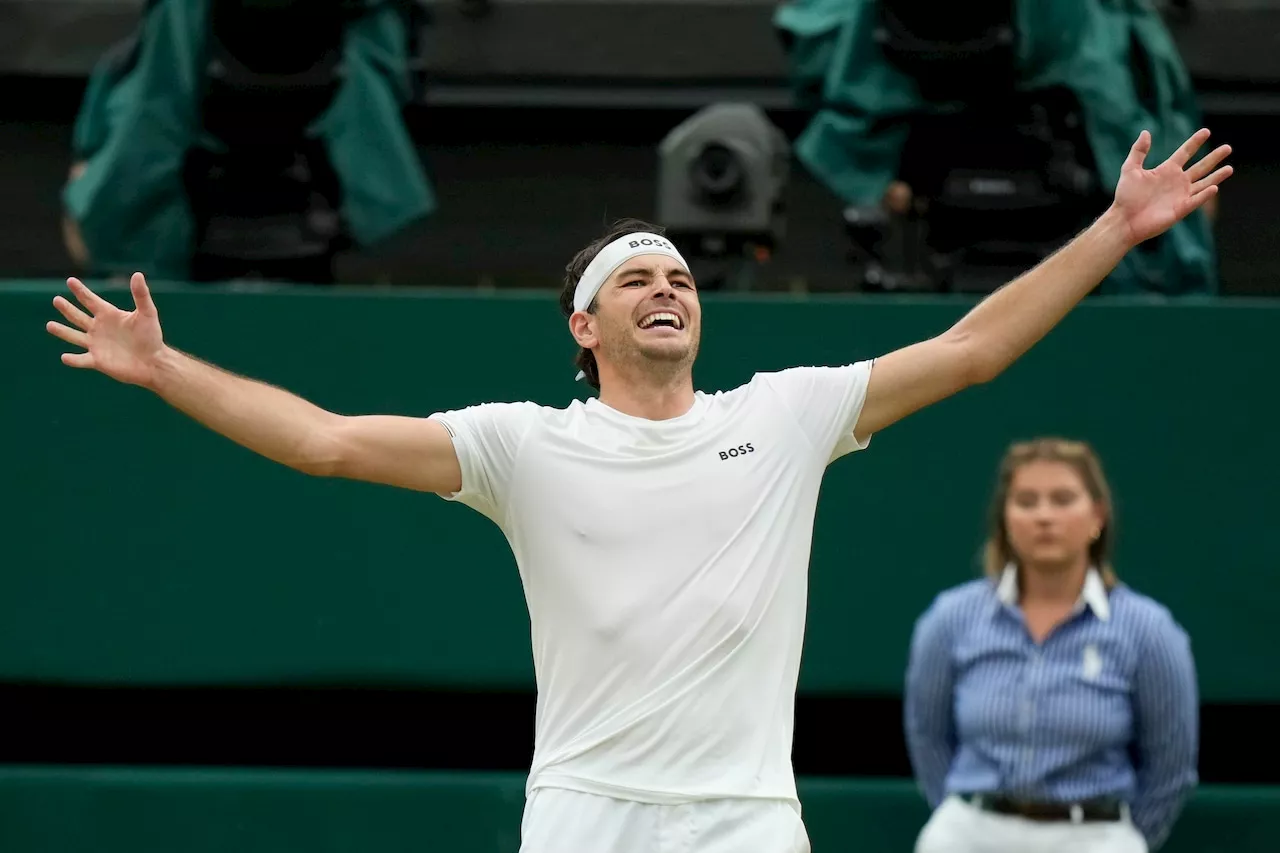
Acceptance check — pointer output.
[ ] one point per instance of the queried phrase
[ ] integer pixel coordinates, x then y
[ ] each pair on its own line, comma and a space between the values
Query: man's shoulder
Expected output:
780, 378
496, 417
509, 408
809, 370
813, 380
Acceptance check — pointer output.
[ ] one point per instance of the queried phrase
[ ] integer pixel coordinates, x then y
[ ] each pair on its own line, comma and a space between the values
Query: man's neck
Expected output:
655, 400
1052, 584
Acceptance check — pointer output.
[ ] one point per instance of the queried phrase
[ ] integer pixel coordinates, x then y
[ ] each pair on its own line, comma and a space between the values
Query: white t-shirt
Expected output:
665, 568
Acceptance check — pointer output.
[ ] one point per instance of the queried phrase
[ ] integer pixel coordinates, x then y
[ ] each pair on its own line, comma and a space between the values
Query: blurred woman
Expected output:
1048, 706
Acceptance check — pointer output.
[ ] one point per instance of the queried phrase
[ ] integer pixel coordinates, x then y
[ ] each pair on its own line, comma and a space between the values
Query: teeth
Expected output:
653, 318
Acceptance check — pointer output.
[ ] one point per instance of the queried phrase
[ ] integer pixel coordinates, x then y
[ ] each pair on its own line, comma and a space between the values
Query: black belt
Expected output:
1085, 811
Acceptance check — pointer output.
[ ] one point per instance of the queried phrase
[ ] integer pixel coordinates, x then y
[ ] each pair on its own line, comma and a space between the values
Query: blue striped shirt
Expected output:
1107, 706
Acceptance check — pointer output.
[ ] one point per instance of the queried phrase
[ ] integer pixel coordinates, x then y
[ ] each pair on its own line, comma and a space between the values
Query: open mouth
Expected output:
662, 320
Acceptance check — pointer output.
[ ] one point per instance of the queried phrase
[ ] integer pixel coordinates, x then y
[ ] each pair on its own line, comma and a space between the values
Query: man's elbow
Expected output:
325, 452
977, 364
984, 370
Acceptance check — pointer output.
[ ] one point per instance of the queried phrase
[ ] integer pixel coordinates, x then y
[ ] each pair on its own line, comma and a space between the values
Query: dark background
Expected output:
539, 123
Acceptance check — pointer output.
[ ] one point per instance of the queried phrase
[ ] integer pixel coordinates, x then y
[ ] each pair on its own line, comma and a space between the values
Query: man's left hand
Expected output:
1150, 201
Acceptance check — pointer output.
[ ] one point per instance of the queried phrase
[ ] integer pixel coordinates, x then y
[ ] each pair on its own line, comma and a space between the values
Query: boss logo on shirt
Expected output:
740, 450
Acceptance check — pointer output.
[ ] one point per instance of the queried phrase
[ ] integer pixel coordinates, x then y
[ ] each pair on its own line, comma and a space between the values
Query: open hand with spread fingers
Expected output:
1150, 201
125, 345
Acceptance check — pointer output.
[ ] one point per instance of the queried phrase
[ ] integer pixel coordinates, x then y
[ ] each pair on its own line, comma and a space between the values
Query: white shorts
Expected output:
561, 821
959, 827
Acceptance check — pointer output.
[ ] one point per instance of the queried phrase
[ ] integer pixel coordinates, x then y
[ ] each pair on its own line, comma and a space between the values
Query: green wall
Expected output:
109, 810
141, 549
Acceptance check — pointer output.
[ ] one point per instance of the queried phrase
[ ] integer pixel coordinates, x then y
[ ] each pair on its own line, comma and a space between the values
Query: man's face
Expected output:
647, 314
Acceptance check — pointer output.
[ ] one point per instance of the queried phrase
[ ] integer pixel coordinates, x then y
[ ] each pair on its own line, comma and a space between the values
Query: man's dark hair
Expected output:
586, 359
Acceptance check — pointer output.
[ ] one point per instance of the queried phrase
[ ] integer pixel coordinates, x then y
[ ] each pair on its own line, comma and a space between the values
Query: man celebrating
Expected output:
662, 534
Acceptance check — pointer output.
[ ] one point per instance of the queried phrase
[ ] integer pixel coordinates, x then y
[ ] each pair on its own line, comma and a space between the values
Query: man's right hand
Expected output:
412, 453
125, 345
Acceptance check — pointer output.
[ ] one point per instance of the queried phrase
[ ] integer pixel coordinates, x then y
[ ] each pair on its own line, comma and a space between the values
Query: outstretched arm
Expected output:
1011, 320
128, 346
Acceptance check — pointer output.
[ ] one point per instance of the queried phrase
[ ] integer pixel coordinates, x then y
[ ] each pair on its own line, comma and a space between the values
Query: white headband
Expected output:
613, 256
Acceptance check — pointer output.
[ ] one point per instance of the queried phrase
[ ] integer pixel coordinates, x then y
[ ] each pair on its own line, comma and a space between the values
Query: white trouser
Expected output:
561, 821
958, 827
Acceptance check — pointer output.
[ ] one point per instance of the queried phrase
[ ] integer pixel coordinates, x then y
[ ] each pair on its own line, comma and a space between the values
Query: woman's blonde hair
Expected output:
1080, 456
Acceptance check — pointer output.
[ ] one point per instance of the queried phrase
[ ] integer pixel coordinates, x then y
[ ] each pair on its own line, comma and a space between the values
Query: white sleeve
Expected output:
826, 401
487, 440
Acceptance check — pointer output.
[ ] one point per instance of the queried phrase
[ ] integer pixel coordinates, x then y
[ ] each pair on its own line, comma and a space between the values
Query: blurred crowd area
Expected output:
876, 146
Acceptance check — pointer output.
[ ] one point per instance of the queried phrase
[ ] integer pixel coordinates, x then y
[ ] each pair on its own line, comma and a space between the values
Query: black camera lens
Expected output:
718, 173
